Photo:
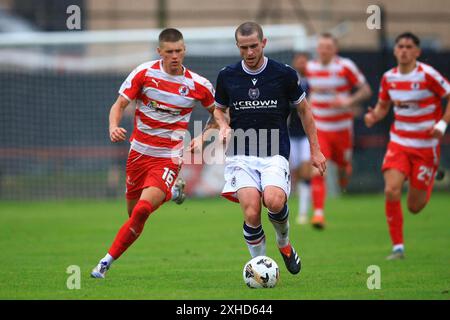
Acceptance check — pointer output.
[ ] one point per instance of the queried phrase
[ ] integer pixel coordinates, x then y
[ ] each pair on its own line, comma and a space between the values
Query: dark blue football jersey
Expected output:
295, 126
259, 103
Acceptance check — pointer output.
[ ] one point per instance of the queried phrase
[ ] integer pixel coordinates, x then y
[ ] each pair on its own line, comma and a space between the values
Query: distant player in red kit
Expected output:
336, 86
415, 89
165, 93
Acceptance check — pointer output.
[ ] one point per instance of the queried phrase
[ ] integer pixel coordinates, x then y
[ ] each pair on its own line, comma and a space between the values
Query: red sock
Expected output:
318, 190
344, 176
131, 230
394, 217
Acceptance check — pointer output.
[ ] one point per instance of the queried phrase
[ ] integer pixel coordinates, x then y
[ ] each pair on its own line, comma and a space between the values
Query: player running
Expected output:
299, 159
331, 79
415, 89
258, 92
165, 93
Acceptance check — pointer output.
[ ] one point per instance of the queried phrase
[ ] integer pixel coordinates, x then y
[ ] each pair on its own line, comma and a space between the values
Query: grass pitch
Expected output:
197, 251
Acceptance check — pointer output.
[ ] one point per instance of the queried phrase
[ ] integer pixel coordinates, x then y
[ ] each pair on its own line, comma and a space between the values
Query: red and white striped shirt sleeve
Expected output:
132, 85
436, 82
207, 91
208, 98
383, 94
353, 74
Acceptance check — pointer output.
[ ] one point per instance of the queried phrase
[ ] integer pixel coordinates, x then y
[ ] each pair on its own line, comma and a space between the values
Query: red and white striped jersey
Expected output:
164, 105
417, 104
327, 83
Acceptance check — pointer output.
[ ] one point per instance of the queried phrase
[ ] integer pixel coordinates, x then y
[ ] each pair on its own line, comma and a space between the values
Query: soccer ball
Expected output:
261, 272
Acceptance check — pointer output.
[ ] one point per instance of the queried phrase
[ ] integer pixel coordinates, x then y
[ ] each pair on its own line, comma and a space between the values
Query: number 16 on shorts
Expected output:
168, 177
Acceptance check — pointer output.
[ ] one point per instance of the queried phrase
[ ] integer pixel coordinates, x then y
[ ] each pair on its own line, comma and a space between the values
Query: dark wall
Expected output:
48, 15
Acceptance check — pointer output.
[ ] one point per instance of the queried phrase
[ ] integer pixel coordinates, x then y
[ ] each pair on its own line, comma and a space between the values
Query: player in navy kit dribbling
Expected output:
258, 93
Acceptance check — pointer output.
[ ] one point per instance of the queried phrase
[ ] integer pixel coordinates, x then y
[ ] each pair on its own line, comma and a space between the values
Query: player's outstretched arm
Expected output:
196, 144
376, 114
117, 133
439, 128
211, 127
317, 158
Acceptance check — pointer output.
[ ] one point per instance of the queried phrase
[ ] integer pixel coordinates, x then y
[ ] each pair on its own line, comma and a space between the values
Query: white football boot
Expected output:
302, 219
178, 191
100, 270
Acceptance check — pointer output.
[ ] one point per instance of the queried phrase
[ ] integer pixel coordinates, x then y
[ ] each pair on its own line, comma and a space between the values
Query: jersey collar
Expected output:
254, 72
170, 75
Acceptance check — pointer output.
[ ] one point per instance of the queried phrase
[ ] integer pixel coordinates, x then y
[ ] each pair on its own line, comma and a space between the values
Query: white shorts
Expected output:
300, 152
251, 171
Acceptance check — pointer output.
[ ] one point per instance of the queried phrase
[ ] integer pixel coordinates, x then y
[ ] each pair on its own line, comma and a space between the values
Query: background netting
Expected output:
55, 101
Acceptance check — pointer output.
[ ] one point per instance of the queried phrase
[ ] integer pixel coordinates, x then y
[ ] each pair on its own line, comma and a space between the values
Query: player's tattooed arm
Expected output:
378, 113
211, 127
362, 93
317, 158
211, 123
117, 133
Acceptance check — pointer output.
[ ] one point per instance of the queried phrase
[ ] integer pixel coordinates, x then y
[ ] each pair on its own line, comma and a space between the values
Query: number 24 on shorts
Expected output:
425, 174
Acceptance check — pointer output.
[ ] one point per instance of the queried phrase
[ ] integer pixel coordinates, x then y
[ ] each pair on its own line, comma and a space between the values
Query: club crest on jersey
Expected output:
415, 86
253, 93
183, 90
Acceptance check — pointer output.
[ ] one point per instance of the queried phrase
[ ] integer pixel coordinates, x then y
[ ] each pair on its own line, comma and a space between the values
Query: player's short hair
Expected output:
248, 28
170, 35
408, 35
328, 35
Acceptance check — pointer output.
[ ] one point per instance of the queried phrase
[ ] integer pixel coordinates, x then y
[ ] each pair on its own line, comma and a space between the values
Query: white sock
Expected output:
280, 222
258, 249
108, 258
398, 247
304, 197
318, 212
255, 240
175, 193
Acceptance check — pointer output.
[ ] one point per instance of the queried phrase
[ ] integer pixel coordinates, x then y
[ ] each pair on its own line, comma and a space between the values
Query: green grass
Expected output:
197, 251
